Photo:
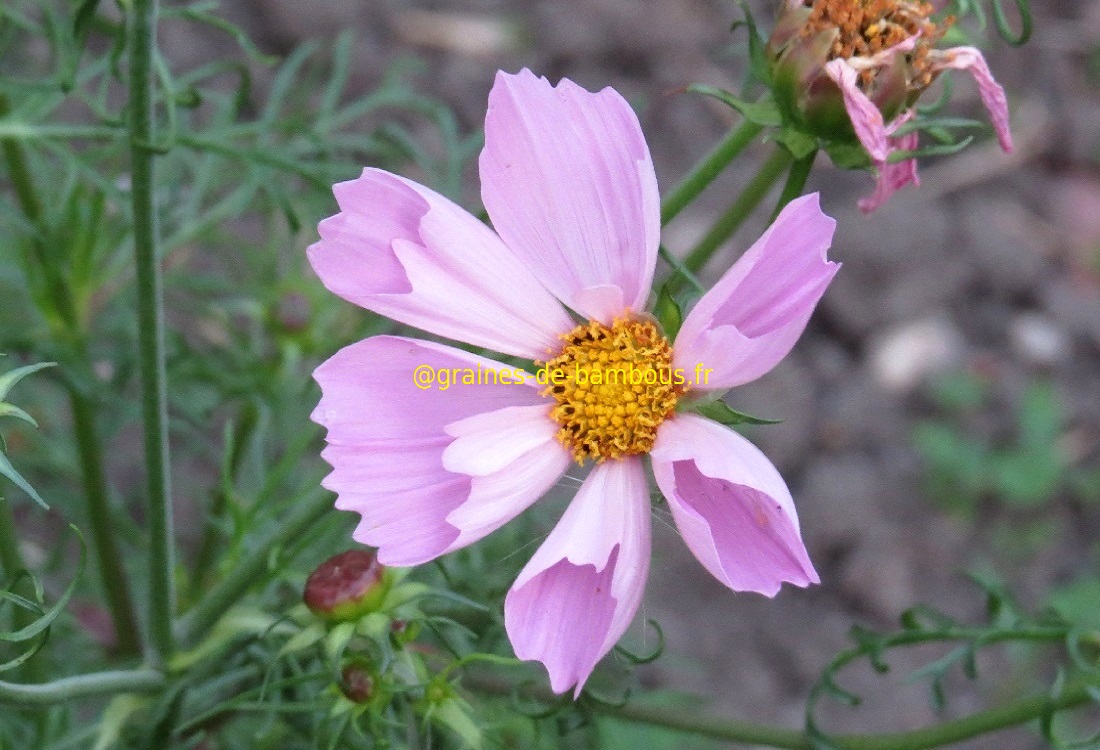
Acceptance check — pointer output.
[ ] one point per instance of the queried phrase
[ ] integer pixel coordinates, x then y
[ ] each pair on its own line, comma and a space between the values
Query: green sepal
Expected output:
847, 155
758, 57
798, 142
668, 311
720, 412
763, 112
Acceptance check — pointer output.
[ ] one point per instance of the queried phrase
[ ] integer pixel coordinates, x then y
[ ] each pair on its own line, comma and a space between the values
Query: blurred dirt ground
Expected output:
992, 267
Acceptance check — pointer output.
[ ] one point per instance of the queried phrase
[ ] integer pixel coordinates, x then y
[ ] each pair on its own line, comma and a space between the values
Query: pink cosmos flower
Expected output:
569, 185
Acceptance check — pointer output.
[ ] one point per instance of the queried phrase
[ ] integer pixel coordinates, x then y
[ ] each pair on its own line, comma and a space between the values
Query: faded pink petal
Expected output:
893, 177
866, 119
567, 179
753, 316
580, 591
387, 439
406, 252
731, 506
992, 93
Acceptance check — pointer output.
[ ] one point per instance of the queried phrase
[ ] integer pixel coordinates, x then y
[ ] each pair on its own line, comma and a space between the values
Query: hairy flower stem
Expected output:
708, 168
81, 686
150, 314
749, 733
251, 570
108, 560
732, 219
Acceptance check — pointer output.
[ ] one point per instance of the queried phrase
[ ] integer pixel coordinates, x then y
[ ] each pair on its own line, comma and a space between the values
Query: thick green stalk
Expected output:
732, 219
251, 570
796, 181
108, 560
150, 315
11, 562
947, 733
707, 169
81, 686
749, 733
11, 559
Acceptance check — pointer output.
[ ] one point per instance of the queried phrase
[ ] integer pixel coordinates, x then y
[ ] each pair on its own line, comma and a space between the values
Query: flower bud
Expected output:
347, 586
357, 682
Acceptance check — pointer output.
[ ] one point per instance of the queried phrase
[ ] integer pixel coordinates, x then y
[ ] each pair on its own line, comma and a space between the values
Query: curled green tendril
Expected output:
1005, 29
653, 655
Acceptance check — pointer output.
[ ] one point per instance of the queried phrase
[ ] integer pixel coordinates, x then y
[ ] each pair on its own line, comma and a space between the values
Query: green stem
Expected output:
750, 733
81, 686
11, 560
108, 560
680, 269
707, 169
732, 219
252, 570
796, 181
947, 733
22, 131
112, 572
20, 173
150, 314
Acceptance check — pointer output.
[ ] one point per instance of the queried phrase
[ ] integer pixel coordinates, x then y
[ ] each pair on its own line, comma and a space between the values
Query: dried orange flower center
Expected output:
869, 26
613, 387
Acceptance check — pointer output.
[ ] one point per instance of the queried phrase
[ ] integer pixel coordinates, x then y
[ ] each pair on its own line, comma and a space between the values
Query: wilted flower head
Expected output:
436, 447
852, 70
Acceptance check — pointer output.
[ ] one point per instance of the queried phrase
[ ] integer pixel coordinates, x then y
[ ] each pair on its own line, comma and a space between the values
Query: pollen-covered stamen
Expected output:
613, 387
866, 27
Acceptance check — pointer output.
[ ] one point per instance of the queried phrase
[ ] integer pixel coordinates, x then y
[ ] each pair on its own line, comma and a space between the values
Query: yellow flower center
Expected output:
613, 387
870, 26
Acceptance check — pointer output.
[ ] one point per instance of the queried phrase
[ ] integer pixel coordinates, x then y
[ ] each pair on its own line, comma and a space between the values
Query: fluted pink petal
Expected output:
991, 92
497, 498
866, 119
486, 443
567, 179
386, 440
893, 177
731, 506
408, 253
753, 316
580, 591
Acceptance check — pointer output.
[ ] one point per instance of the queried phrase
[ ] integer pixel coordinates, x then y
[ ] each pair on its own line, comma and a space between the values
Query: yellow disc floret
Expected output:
613, 387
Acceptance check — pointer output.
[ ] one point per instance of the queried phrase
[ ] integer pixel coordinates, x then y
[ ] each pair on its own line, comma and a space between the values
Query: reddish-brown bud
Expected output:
356, 682
347, 586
